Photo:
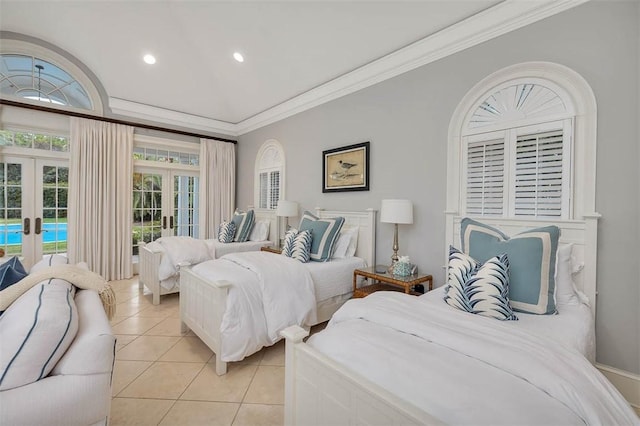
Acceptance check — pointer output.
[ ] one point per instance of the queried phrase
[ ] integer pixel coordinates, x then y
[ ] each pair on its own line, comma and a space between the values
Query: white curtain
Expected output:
217, 184
100, 197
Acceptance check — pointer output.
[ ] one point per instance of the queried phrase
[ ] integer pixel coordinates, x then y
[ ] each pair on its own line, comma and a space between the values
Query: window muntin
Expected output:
34, 140
164, 155
32, 78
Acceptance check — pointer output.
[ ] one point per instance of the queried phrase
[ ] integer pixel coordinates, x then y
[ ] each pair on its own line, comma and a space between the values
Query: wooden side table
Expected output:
388, 282
271, 249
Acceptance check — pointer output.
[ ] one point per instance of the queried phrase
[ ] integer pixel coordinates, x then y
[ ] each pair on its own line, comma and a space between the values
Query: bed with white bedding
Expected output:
396, 359
160, 260
236, 303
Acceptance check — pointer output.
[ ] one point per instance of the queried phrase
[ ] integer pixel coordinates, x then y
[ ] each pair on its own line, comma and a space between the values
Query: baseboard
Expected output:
627, 383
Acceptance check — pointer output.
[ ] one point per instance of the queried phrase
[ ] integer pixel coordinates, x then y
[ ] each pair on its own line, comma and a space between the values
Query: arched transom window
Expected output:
32, 73
28, 77
522, 146
517, 151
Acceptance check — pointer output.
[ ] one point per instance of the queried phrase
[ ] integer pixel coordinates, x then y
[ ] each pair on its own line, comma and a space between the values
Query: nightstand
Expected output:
388, 282
271, 250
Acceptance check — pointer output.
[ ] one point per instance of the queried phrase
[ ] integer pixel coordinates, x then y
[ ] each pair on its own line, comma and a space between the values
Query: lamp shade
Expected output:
287, 208
396, 211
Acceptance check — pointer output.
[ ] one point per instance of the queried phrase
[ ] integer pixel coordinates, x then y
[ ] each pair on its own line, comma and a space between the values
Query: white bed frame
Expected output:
319, 391
203, 302
150, 259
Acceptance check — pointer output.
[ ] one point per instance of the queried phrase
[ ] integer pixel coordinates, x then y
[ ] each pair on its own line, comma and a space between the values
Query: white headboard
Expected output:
582, 233
366, 223
274, 228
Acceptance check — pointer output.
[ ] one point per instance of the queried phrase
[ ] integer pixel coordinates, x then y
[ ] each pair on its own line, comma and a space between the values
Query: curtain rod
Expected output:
110, 120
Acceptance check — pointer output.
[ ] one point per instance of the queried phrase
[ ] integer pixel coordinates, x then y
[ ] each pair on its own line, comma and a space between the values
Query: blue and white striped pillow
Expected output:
35, 331
481, 289
325, 234
244, 223
297, 244
226, 231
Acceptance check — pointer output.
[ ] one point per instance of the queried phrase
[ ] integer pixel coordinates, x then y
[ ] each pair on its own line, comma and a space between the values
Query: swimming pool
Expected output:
51, 233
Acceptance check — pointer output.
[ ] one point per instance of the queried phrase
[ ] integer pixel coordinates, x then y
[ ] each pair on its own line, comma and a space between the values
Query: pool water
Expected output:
51, 233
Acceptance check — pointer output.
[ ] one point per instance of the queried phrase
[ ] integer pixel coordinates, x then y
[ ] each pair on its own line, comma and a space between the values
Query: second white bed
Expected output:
244, 327
235, 303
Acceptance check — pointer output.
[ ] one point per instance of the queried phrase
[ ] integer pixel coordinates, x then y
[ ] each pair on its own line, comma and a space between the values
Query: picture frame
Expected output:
346, 168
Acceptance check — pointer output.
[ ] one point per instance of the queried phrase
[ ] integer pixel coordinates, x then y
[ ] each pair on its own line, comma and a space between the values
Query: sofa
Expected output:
68, 376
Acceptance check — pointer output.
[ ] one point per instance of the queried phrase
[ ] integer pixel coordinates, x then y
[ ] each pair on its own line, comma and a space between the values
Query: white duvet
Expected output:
269, 293
177, 250
468, 369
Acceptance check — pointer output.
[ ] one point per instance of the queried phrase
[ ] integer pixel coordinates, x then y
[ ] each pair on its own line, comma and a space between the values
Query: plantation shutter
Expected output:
263, 190
538, 176
274, 189
485, 178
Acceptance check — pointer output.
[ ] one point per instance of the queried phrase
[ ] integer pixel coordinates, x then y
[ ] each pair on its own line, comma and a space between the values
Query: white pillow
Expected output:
347, 243
566, 292
260, 231
49, 260
33, 343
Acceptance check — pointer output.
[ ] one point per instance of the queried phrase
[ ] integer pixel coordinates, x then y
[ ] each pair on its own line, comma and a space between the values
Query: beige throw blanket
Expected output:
79, 277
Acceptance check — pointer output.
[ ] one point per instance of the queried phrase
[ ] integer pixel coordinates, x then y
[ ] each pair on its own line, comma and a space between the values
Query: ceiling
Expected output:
293, 50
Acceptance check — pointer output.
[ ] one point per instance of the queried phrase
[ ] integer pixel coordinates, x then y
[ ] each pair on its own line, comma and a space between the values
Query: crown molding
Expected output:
500, 19
166, 116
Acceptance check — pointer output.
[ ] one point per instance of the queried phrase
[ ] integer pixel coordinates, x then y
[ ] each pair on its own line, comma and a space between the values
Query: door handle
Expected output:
27, 226
38, 226
171, 222
164, 222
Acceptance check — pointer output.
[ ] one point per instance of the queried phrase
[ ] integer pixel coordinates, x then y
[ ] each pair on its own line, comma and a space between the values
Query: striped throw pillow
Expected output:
481, 289
243, 222
35, 331
226, 231
297, 245
325, 234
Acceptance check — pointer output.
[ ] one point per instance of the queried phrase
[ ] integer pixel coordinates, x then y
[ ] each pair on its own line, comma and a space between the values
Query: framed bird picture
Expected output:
346, 168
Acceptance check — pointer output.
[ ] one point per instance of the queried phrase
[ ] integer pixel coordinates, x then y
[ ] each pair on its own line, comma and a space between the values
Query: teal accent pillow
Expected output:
532, 259
481, 289
243, 222
11, 272
325, 234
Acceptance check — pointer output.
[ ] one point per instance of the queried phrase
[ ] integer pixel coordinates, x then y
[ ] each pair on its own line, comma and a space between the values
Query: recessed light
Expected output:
150, 59
238, 57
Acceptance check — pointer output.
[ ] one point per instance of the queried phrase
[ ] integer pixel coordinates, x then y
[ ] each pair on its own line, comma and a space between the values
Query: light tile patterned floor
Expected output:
165, 377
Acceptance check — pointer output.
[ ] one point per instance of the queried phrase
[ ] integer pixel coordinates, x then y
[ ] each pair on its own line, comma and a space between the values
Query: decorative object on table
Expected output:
286, 209
346, 168
396, 212
402, 267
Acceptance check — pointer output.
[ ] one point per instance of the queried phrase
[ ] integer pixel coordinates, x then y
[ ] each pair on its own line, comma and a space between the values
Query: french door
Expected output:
33, 207
165, 203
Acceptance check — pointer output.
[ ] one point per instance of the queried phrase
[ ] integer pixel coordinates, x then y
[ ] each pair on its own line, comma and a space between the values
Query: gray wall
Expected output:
406, 119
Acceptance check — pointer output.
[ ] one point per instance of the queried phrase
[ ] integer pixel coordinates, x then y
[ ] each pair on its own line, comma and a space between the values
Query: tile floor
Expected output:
165, 377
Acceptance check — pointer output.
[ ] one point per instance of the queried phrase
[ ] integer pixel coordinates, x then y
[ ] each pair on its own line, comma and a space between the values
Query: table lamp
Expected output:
286, 209
396, 212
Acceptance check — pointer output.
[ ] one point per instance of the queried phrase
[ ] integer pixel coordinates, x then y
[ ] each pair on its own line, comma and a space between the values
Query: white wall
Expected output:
406, 119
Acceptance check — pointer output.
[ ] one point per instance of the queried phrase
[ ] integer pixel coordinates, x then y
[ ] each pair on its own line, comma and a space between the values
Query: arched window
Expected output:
522, 145
269, 175
32, 74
